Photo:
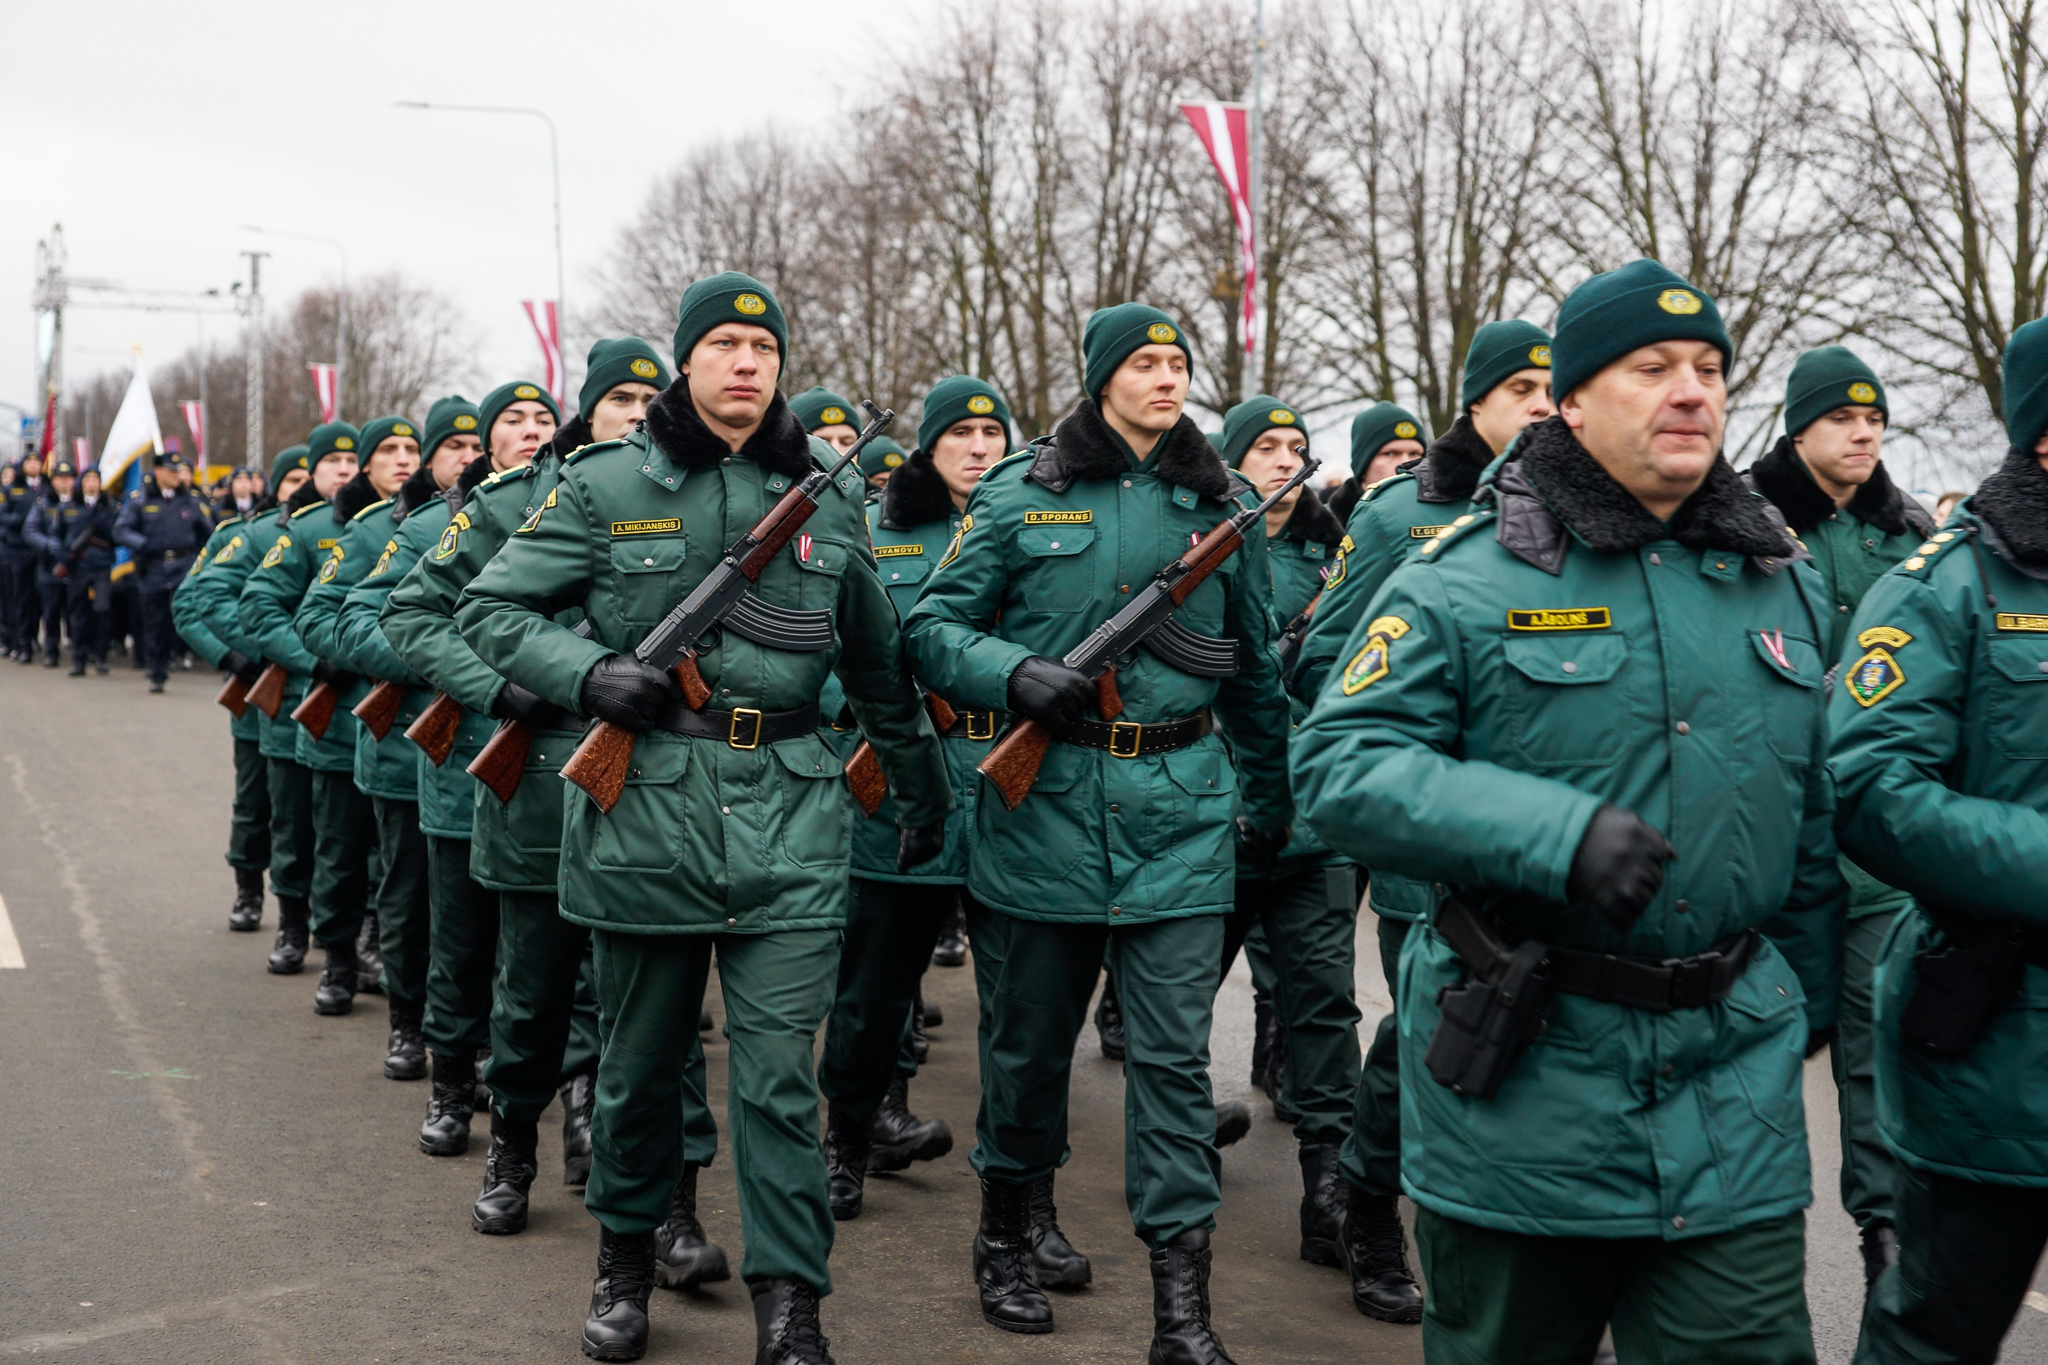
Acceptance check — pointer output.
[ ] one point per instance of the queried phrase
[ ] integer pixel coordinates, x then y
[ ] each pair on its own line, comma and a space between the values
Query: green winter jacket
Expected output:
1561, 650
1055, 540
1940, 756
190, 619
709, 837
270, 599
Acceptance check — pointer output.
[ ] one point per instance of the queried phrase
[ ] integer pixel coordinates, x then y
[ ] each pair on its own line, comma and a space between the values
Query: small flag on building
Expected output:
1225, 131
547, 328
326, 388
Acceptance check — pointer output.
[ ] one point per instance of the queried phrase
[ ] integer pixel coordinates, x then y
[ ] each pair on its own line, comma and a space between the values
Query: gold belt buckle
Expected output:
987, 728
1118, 731
732, 736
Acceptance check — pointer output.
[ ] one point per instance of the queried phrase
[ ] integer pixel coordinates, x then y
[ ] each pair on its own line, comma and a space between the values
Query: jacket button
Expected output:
1684, 729
1568, 666
726, 460
894, 576
1669, 1069
1683, 907
648, 562
1124, 587
1844, 609
1116, 909
730, 923
1656, 558
725, 810
1114, 810
2044, 665
1054, 546
1127, 483
1678, 1223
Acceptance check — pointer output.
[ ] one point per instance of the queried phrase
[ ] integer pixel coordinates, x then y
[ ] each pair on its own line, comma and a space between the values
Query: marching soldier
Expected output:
75, 533
18, 605
732, 829
52, 558
1601, 1054
1126, 838
1383, 438
827, 416
164, 527
1940, 733
1826, 476
879, 461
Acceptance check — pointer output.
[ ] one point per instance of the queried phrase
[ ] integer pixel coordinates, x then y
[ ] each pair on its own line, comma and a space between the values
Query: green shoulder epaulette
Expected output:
580, 452
382, 502
1010, 458
1377, 484
309, 507
1478, 516
1931, 549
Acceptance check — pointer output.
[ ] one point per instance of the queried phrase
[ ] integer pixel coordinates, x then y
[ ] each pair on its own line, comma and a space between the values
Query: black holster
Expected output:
1486, 1023
1960, 982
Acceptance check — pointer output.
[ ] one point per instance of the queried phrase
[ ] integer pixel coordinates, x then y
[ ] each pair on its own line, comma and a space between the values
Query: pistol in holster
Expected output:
1487, 1021
1961, 980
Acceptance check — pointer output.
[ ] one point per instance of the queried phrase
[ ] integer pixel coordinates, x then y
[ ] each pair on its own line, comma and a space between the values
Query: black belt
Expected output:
1656, 985
743, 727
548, 716
1130, 739
2028, 944
975, 724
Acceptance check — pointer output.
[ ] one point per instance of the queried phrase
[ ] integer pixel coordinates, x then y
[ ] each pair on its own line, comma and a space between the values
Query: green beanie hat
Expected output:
1612, 314
820, 407
331, 438
1215, 440
955, 399
1826, 379
730, 297
2025, 379
1251, 419
504, 396
616, 361
880, 456
377, 432
1113, 333
1373, 428
450, 416
288, 459
1498, 350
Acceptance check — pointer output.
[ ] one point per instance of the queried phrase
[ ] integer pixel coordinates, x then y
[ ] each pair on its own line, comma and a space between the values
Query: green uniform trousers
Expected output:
249, 824
404, 913
1967, 1253
540, 961
777, 989
1165, 975
1310, 925
291, 827
344, 842
462, 951
890, 934
1868, 1166
1372, 1153
1506, 1298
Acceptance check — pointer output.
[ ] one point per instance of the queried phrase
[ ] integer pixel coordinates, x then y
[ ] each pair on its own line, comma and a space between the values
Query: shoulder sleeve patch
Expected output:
275, 556
1890, 636
1369, 665
1874, 677
959, 537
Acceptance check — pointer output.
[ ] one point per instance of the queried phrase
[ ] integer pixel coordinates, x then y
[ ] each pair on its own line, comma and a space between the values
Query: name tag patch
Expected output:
647, 528
1560, 618
1426, 532
897, 551
2013, 620
1058, 518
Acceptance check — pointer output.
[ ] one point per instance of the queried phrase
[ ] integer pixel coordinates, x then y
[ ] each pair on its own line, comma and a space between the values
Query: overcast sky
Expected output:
153, 132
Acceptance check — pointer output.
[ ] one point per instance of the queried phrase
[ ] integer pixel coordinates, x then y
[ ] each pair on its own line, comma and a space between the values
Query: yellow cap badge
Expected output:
526, 391
981, 405
1405, 431
1540, 355
1280, 417
344, 443
753, 305
1683, 302
465, 422
401, 429
832, 417
1862, 393
645, 368
892, 459
1162, 333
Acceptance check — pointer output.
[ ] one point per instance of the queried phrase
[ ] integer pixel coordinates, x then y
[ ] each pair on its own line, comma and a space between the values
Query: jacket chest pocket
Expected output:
1059, 576
1790, 717
2019, 700
820, 565
903, 576
1565, 696
642, 576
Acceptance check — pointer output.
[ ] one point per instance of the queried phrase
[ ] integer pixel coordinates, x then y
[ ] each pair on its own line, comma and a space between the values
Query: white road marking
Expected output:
2037, 1301
10, 946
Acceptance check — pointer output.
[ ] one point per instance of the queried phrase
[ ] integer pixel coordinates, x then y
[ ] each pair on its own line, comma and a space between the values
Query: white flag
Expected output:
134, 432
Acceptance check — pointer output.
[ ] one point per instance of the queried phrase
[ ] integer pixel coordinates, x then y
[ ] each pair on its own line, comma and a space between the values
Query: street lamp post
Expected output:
341, 370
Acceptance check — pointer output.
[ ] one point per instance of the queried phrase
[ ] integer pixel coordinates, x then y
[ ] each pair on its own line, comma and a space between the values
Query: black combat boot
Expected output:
1375, 1254
579, 1097
1054, 1262
929, 1011
1274, 1082
786, 1324
683, 1257
1109, 1021
704, 1024
1880, 1249
847, 1147
898, 1137
336, 993
1233, 1121
1323, 1197
951, 949
1181, 1334
78, 669
920, 1044
446, 1129
369, 958
1010, 1297
288, 954
247, 911
482, 1102
405, 1055
508, 1177
1263, 1022
617, 1326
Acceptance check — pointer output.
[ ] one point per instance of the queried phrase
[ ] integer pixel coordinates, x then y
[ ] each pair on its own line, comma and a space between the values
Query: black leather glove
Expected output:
1619, 865
919, 844
514, 702
1818, 1038
1262, 846
626, 692
326, 672
242, 666
1050, 693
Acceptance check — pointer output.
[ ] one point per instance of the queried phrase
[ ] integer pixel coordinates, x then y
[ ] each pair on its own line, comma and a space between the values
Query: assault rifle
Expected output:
864, 770
601, 761
1294, 632
1012, 766
502, 763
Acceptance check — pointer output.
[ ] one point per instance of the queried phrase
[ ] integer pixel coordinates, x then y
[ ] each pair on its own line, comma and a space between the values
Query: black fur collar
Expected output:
1312, 522
1783, 478
354, 496
305, 497
779, 445
571, 436
1345, 499
1722, 514
417, 490
2014, 501
1083, 447
473, 473
1449, 470
915, 494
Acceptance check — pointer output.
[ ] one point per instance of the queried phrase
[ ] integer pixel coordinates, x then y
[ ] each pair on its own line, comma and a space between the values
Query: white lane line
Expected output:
10, 946
2037, 1301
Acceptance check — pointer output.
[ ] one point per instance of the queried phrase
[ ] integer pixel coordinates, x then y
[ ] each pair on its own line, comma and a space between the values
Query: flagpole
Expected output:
1251, 382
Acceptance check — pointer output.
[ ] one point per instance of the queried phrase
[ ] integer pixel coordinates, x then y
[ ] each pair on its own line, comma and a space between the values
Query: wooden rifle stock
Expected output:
435, 729
234, 694
1012, 766
379, 711
864, 770
266, 694
601, 763
503, 761
316, 712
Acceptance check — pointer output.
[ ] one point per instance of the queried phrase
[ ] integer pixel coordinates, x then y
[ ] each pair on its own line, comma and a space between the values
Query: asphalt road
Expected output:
196, 1167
